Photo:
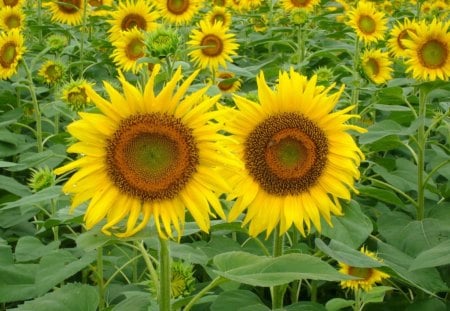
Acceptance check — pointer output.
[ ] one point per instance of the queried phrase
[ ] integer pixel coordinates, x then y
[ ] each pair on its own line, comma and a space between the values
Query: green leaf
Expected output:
44, 195
13, 186
71, 297
432, 304
375, 295
383, 195
382, 129
237, 300
264, 271
352, 229
433, 257
336, 304
14, 216
30, 248
305, 306
136, 301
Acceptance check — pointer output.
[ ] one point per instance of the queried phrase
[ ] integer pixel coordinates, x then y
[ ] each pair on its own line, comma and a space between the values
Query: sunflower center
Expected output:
135, 49
96, 2
151, 156
12, 21
300, 3
133, 20
11, 2
218, 18
212, 45
286, 153
226, 84
433, 54
363, 273
177, 7
77, 97
54, 72
8, 54
69, 6
367, 24
372, 67
402, 36
219, 2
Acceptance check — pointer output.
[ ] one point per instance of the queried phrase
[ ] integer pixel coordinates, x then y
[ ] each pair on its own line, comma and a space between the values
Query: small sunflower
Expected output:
11, 3
11, 51
297, 160
399, 33
369, 276
97, 7
128, 50
148, 154
66, 11
376, 65
428, 51
290, 5
237, 5
178, 11
213, 45
368, 23
52, 72
162, 42
75, 94
228, 83
11, 17
132, 14
219, 14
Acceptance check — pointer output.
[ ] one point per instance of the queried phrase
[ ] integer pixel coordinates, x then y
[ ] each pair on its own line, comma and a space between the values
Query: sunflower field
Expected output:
243, 155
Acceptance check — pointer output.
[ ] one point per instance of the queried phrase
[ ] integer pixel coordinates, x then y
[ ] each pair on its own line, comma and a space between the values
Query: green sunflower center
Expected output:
434, 54
363, 273
77, 98
135, 49
69, 6
177, 7
286, 154
367, 24
12, 21
212, 45
372, 67
8, 54
133, 20
53, 72
151, 156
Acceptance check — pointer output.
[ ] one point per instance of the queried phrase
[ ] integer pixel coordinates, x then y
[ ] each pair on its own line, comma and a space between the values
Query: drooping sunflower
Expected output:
376, 65
76, 94
52, 72
11, 51
66, 11
428, 51
128, 50
227, 82
219, 14
147, 154
11, 17
213, 45
178, 11
290, 5
132, 14
369, 276
297, 160
11, 3
368, 23
399, 33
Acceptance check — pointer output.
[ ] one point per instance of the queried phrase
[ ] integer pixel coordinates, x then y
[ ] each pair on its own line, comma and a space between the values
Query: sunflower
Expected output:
178, 11
369, 276
11, 17
219, 14
297, 160
132, 14
129, 49
97, 7
399, 33
75, 94
289, 5
147, 154
11, 51
66, 11
213, 46
227, 82
368, 23
52, 72
428, 51
11, 3
376, 65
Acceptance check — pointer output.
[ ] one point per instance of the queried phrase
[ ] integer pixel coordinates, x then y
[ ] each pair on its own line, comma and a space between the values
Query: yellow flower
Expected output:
428, 51
147, 154
132, 14
129, 49
399, 33
11, 3
308, 5
178, 11
75, 94
52, 72
11, 17
376, 65
369, 276
297, 160
96, 7
213, 45
368, 23
11, 51
66, 11
219, 14
227, 82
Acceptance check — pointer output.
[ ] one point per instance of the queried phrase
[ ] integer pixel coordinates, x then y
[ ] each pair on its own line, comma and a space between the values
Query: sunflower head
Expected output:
52, 72
324, 75
11, 3
75, 94
162, 42
219, 14
368, 276
307, 5
66, 11
377, 65
11, 17
129, 49
97, 7
368, 23
299, 16
41, 178
178, 11
227, 83
260, 23
398, 34
11, 51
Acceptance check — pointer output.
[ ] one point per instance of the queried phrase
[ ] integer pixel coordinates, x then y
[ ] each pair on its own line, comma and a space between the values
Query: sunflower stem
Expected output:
278, 291
358, 302
356, 79
214, 283
83, 29
151, 269
39, 19
164, 275
421, 141
100, 283
300, 47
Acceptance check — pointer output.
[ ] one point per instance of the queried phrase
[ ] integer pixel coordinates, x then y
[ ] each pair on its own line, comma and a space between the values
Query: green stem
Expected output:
421, 141
55, 229
358, 302
100, 282
164, 275
387, 185
37, 112
83, 29
300, 47
214, 283
151, 269
355, 87
39, 19
278, 291
434, 170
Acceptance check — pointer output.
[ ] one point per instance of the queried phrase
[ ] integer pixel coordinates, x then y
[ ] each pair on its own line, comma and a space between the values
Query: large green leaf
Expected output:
42, 196
30, 248
265, 271
136, 301
71, 297
383, 195
336, 304
237, 300
384, 128
13, 186
433, 257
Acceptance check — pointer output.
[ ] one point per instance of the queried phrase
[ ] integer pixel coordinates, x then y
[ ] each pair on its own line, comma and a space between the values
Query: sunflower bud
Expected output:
57, 42
181, 280
324, 74
41, 178
75, 95
52, 72
299, 16
162, 42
